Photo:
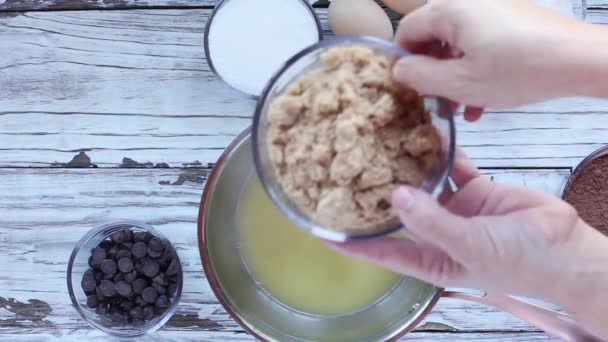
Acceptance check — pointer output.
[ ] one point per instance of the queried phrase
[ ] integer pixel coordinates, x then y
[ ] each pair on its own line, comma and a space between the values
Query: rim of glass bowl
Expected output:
207, 50
582, 166
104, 231
444, 108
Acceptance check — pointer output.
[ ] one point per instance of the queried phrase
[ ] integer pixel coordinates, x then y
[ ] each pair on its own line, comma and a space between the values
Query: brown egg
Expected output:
404, 6
359, 18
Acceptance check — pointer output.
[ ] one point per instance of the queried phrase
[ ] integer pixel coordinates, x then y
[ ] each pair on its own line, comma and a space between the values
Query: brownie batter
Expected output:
588, 193
344, 135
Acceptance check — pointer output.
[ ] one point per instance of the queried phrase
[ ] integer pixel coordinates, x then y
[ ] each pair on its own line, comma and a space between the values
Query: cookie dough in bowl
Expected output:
334, 136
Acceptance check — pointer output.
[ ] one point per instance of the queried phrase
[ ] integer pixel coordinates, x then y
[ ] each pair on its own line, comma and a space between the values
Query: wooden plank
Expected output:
136, 84
222, 336
46, 211
25, 5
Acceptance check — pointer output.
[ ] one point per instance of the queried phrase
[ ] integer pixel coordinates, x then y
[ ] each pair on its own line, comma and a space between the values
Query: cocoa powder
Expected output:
588, 193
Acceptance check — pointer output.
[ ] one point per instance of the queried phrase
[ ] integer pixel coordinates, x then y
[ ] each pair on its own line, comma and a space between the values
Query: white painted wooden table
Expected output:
114, 79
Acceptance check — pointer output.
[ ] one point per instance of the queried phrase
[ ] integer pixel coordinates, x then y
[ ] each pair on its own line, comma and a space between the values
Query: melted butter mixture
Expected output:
297, 268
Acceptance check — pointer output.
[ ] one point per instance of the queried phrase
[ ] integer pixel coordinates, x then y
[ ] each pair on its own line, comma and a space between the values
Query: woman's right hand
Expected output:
500, 238
489, 53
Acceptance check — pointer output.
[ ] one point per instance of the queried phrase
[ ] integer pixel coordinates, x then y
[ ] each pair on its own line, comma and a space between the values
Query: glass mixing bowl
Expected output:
439, 108
78, 264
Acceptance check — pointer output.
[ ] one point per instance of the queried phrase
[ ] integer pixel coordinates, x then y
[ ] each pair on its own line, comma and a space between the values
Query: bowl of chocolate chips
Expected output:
125, 278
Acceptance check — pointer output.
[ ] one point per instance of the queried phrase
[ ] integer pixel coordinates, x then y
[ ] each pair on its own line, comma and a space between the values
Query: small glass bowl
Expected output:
600, 152
306, 5
442, 118
78, 264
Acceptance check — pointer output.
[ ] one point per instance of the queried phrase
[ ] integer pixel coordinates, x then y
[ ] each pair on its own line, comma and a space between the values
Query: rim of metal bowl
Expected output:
162, 320
426, 305
581, 166
317, 230
207, 50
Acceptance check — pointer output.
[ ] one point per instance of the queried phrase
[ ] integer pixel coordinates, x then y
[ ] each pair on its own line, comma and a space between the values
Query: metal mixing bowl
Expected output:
254, 308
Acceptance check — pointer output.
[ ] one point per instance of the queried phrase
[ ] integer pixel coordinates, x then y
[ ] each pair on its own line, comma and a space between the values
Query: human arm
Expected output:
503, 239
501, 53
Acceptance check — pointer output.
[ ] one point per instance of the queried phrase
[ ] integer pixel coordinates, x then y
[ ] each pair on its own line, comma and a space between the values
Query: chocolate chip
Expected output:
138, 268
150, 268
160, 279
94, 263
154, 253
139, 285
88, 274
149, 312
112, 252
172, 288
108, 276
140, 301
108, 266
88, 282
116, 301
131, 276
149, 295
137, 313
99, 255
173, 268
118, 277
127, 235
162, 302
141, 237
156, 244
99, 295
123, 288
99, 277
127, 304
123, 253
139, 250
173, 279
168, 255
92, 301
118, 237
162, 265
107, 288
159, 288
102, 309
125, 265
105, 244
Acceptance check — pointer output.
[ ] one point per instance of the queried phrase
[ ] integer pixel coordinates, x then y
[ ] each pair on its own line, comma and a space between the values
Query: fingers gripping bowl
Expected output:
369, 101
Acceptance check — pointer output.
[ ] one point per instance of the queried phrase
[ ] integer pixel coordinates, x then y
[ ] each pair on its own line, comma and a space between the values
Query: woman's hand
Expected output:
503, 239
489, 53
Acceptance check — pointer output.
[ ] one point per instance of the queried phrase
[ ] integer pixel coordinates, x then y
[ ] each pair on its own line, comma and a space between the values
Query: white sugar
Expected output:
249, 40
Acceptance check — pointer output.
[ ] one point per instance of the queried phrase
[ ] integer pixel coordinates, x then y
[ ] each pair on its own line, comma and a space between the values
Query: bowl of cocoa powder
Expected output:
334, 135
587, 190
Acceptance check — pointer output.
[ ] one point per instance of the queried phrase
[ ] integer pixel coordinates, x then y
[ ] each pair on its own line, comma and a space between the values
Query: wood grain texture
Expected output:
26, 5
223, 336
46, 211
136, 84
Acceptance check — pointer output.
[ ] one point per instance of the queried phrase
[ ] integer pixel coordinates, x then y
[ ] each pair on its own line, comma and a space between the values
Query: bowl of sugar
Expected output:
247, 41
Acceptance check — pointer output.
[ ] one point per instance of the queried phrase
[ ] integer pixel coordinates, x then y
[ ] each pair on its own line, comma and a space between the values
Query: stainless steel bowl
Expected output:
264, 317
439, 108
254, 308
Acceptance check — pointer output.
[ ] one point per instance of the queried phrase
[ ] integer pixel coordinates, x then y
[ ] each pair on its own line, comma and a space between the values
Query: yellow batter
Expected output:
297, 268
